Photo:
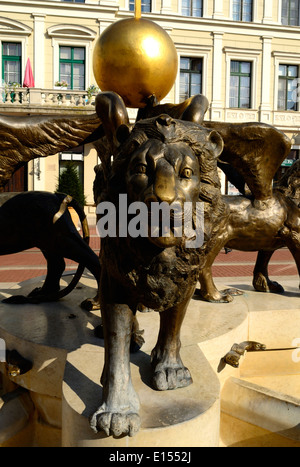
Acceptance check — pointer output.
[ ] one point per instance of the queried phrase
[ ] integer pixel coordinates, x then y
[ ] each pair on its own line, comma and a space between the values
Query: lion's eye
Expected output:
186, 173
140, 169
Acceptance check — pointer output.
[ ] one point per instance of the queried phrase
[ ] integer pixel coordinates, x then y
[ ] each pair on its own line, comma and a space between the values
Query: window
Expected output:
11, 62
286, 87
242, 10
76, 157
190, 77
74, 1
146, 6
72, 67
290, 10
240, 84
192, 8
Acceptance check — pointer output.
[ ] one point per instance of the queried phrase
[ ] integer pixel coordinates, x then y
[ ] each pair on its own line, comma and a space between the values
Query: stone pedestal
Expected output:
63, 387
64, 383
44, 334
184, 417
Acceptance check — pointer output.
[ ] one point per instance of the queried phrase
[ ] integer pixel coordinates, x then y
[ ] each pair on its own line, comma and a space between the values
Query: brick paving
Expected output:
31, 263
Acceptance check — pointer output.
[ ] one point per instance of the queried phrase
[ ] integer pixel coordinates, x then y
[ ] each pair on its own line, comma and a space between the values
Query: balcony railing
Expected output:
10, 96
61, 100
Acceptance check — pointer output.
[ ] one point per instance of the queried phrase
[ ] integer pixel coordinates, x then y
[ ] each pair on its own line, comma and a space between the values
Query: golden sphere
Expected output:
135, 58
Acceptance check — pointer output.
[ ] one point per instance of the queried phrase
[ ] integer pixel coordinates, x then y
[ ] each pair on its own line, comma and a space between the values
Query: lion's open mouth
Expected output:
166, 228
164, 239
171, 226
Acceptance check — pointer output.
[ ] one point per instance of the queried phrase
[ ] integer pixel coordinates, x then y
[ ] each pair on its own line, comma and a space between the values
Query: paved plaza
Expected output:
29, 264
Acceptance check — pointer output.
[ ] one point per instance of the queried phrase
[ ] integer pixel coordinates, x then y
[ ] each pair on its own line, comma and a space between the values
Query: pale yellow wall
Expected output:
21, 17
260, 11
175, 5
210, 8
198, 37
242, 41
275, 10
226, 7
48, 63
286, 45
52, 171
90, 161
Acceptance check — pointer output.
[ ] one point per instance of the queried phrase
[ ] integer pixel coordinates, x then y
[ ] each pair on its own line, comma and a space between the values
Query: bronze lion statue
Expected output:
265, 227
160, 160
264, 218
171, 156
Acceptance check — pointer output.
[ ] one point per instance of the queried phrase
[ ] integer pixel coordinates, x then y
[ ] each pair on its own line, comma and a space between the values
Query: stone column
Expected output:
217, 104
39, 49
103, 24
265, 104
268, 12
166, 7
218, 9
39, 81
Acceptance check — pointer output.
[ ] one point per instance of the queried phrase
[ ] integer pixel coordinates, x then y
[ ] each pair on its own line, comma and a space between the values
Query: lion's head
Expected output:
163, 160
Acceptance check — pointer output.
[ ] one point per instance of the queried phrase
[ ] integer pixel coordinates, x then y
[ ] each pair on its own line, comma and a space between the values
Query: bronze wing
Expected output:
26, 138
255, 150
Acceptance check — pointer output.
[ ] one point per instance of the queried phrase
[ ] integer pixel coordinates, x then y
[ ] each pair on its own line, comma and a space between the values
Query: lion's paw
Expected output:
115, 424
90, 304
214, 297
171, 378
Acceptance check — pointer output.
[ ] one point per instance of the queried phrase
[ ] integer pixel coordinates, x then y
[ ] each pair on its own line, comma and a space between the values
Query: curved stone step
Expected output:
258, 402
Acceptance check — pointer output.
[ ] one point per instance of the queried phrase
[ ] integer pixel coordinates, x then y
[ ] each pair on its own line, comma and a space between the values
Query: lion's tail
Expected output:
68, 201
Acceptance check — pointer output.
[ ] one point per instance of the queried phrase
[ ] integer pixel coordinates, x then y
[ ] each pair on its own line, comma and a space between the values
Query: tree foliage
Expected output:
69, 183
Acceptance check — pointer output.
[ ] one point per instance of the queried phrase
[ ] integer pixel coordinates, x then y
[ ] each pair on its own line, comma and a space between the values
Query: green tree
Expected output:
69, 183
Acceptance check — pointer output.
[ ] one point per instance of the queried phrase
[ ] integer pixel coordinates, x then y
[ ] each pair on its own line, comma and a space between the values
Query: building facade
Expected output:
244, 55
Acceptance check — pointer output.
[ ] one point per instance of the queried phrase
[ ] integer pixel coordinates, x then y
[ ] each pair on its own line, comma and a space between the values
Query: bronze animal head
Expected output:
164, 161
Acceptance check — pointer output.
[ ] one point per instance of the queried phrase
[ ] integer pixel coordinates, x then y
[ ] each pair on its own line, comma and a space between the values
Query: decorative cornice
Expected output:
73, 30
9, 26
